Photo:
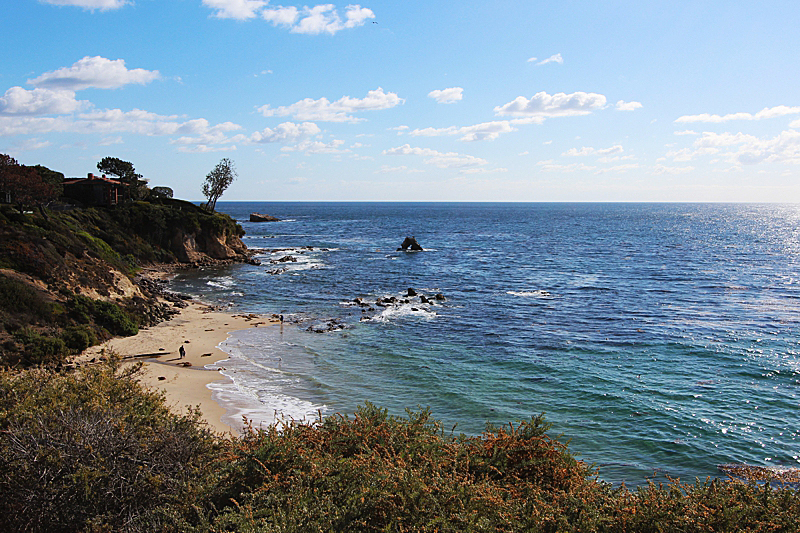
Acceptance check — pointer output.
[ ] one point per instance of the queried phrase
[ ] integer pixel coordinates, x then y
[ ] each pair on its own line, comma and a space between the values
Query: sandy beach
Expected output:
199, 329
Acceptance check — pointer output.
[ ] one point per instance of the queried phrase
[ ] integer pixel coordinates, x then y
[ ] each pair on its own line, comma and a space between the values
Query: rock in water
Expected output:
410, 243
256, 217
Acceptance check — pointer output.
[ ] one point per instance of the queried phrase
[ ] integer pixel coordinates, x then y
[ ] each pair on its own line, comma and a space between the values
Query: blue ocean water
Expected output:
657, 338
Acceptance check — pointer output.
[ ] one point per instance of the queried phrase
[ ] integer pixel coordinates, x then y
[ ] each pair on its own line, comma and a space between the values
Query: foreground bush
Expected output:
377, 472
92, 451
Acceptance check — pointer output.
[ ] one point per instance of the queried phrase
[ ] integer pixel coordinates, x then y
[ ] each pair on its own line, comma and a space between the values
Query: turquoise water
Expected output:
657, 338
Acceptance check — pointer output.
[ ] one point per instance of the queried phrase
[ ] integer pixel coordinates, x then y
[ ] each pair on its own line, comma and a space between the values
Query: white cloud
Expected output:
552, 59
686, 132
612, 159
97, 72
447, 96
235, 9
661, 169
627, 106
108, 141
338, 111
19, 101
767, 112
550, 166
481, 170
29, 145
322, 18
102, 5
532, 59
110, 121
281, 16
543, 105
285, 132
795, 124
588, 150
438, 159
486, 131
317, 147
386, 169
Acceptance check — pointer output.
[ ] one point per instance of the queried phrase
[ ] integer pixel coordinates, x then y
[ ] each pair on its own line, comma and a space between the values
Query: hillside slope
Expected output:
69, 279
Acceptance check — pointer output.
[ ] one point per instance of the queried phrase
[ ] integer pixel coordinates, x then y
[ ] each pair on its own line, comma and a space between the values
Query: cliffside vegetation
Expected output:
68, 277
90, 450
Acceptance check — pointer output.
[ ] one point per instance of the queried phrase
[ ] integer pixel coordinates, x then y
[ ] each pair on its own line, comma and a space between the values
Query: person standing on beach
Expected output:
182, 351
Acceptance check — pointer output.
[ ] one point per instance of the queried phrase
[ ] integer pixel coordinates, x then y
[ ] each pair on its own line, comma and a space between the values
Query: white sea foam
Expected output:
545, 295
257, 391
395, 312
224, 282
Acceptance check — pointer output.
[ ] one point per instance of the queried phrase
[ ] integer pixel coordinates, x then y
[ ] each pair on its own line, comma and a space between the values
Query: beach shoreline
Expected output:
198, 328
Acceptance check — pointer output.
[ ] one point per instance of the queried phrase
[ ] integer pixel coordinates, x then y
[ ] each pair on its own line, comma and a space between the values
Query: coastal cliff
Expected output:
72, 279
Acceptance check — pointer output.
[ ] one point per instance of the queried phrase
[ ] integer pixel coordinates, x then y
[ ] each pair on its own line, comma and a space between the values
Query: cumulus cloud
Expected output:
552, 59
19, 101
102, 5
97, 72
661, 169
317, 147
322, 18
29, 145
627, 106
588, 150
544, 105
281, 16
550, 166
447, 96
325, 19
767, 112
436, 158
338, 111
110, 121
235, 9
481, 170
486, 131
744, 149
285, 132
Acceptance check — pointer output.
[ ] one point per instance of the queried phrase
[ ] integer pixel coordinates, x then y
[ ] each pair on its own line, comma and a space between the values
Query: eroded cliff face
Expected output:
204, 247
70, 279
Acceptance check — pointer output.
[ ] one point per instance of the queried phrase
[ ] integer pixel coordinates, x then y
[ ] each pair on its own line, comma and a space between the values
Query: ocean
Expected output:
658, 339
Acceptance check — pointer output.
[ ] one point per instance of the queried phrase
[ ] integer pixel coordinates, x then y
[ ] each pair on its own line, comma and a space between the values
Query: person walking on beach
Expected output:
182, 351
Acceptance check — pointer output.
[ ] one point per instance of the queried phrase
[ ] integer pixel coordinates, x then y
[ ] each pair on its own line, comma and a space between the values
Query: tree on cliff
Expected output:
126, 173
217, 181
24, 186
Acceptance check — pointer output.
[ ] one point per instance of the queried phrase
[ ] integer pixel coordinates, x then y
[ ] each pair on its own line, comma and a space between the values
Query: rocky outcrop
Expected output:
199, 247
410, 243
257, 217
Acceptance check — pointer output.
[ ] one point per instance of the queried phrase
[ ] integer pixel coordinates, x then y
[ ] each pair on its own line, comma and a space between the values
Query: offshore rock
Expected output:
410, 243
257, 217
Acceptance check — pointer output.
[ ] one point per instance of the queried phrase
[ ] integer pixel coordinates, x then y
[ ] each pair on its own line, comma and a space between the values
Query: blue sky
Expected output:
400, 101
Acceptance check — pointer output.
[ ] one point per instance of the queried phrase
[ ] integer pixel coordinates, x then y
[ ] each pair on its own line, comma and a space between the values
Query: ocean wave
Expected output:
545, 295
224, 282
404, 311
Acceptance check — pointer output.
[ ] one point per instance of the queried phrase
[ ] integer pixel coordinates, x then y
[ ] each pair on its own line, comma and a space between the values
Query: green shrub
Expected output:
114, 318
109, 315
78, 338
93, 451
21, 299
41, 349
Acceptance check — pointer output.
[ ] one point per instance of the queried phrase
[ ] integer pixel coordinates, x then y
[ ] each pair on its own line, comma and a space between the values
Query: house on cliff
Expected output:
95, 190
